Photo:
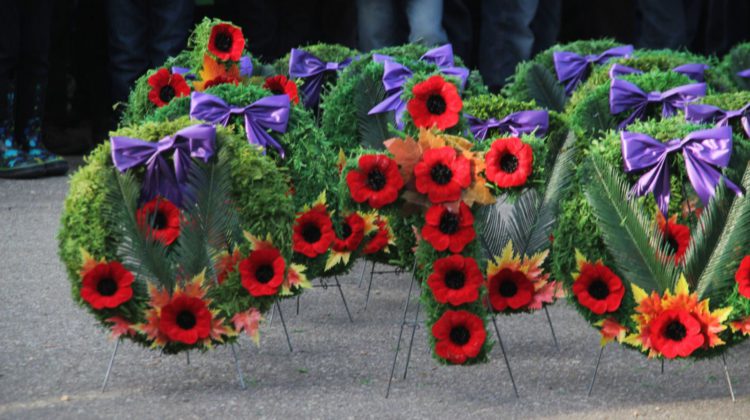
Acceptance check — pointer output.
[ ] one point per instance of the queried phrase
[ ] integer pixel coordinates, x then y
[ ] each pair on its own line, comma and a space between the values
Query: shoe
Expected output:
29, 137
15, 163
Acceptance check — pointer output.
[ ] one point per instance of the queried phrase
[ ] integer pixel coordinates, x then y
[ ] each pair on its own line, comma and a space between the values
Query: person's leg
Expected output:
36, 22
458, 24
546, 25
376, 24
169, 26
128, 39
506, 38
426, 22
663, 24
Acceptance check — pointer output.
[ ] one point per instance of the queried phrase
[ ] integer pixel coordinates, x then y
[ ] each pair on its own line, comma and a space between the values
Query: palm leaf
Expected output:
492, 232
373, 129
145, 257
733, 243
630, 236
545, 89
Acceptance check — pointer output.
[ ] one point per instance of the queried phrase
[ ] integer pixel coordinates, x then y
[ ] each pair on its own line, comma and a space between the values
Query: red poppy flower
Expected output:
446, 230
377, 181
459, 335
509, 162
676, 332
262, 272
185, 319
226, 42
107, 285
280, 85
742, 277
510, 288
313, 232
455, 280
227, 264
442, 174
380, 240
160, 219
352, 233
676, 236
436, 103
165, 86
598, 288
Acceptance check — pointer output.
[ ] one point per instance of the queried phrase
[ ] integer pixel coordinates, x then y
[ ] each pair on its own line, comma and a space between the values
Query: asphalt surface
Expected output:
53, 356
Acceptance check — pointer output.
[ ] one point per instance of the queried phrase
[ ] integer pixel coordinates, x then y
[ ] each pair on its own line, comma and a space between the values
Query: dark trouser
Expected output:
667, 23
142, 34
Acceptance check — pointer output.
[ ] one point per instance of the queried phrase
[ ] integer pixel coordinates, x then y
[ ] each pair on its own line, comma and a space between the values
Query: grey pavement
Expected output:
53, 356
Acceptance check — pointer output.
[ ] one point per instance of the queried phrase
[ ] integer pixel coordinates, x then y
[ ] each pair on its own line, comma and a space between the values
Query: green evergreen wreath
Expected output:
735, 61
134, 263
612, 253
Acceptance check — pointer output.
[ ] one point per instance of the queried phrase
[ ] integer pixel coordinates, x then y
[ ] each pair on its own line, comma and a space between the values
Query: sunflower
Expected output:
436, 103
313, 232
742, 277
106, 285
676, 236
280, 85
160, 219
509, 162
376, 180
442, 174
226, 42
455, 280
444, 229
515, 283
262, 272
459, 336
596, 287
165, 86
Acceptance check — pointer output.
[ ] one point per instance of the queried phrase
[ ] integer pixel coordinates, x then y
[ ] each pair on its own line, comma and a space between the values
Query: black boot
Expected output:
29, 135
14, 161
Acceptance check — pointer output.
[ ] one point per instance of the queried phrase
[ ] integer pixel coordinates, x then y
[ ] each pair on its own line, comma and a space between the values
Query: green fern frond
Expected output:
629, 234
545, 89
493, 234
373, 129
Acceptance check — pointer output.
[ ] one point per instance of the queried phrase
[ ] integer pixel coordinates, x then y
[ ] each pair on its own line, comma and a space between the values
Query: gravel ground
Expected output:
53, 356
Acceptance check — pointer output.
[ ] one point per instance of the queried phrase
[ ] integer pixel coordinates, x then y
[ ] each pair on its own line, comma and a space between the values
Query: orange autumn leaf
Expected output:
429, 140
213, 70
407, 153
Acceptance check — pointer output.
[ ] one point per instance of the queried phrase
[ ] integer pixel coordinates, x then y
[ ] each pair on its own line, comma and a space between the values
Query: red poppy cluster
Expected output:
742, 277
455, 280
160, 220
352, 234
436, 104
313, 232
376, 180
447, 230
597, 288
459, 336
381, 238
262, 272
676, 236
676, 332
509, 288
185, 319
509, 162
166, 86
226, 42
107, 285
442, 174
280, 85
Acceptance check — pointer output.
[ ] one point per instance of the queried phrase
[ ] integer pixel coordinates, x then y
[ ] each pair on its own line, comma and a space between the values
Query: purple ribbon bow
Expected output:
624, 96
196, 141
184, 72
744, 73
695, 71
395, 75
572, 68
703, 150
306, 66
701, 113
517, 123
271, 112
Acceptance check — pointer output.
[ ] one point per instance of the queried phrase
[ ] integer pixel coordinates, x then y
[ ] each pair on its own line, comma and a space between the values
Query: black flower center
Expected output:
346, 231
311, 233
449, 223
158, 220
375, 179
264, 273
675, 331
166, 93
223, 41
441, 174
276, 90
598, 289
509, 163
436, 104
186, 320
671, 242
508, 288
460, 335
455, 279
106, 287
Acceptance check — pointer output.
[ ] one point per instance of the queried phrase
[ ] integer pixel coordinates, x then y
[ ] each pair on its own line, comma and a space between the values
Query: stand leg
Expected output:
362, 274
237, 366
662, 366
109, 367
270, 318
343, 299
283, 324
369, 285
401, 331
505, 355
298, 296
411, 340
596, 370
551, 328
726, 374
187, 357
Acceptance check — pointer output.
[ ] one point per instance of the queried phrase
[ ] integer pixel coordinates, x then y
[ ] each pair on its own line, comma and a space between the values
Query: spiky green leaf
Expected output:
373, 129
545, 89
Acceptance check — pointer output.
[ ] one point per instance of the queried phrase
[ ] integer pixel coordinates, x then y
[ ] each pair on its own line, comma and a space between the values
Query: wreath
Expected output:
735, 65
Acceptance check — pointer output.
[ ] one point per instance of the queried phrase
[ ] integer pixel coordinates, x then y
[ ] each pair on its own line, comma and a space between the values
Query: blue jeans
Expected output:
142, 34
379, 22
